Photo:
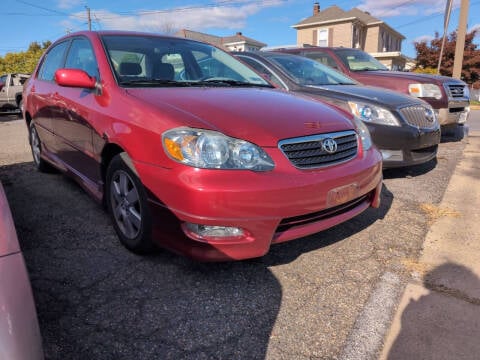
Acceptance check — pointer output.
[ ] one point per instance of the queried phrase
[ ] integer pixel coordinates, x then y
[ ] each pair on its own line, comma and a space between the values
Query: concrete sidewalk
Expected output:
439, 314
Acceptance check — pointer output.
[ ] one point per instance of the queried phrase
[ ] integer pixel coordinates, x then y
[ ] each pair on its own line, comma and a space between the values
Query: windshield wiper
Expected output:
368, 69
230, 82
154, 82
208, 82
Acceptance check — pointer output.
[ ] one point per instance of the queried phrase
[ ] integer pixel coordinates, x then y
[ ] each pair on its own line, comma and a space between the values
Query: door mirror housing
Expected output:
75, 78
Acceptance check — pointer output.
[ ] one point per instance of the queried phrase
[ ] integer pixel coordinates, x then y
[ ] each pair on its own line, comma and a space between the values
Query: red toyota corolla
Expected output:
190, 149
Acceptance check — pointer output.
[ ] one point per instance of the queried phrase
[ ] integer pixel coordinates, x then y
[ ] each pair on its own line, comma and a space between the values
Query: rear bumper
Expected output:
270, 207
405, 145
19, 331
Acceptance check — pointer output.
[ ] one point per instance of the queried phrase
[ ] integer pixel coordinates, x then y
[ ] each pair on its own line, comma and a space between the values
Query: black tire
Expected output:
36, 146
127, 204
20, 107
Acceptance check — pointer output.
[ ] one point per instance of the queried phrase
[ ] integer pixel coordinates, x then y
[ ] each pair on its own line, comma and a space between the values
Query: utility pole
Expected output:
89, 18
446, 17
460, 45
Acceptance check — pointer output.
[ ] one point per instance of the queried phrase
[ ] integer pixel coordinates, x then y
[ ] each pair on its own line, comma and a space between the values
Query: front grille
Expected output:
455, 91
310, 151
291, 222
419, 116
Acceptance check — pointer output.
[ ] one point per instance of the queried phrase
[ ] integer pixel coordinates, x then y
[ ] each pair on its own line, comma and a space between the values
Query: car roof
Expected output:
313, 48
100, 33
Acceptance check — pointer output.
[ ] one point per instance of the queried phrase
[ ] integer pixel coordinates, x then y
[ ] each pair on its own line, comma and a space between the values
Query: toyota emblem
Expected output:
329, 145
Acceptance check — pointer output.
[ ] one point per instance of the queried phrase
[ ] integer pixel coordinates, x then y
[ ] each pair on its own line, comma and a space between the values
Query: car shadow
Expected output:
454, 133
410, 171
7, 117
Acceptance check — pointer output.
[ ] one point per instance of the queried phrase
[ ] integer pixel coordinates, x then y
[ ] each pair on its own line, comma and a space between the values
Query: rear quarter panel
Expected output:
19, 331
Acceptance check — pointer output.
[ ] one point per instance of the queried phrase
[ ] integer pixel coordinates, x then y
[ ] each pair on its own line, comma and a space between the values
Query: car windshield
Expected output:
309, 72
357, 60
153, 61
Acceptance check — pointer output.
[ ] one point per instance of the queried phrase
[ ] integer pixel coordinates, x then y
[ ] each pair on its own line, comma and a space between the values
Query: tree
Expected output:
24, 61
427, 57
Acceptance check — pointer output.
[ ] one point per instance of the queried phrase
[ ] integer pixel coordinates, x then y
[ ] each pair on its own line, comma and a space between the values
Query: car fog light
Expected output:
210, 232
392, 155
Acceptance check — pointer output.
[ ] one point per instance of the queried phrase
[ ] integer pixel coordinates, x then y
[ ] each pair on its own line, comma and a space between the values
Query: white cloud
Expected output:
476, 28
192, 17
423, 38
387, 8
68, 4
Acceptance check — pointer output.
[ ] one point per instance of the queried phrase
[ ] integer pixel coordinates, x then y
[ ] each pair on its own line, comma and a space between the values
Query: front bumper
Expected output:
405, 145
272, 207
456, 113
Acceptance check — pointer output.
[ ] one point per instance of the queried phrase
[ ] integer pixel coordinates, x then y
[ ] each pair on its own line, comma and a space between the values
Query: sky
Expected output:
268, 21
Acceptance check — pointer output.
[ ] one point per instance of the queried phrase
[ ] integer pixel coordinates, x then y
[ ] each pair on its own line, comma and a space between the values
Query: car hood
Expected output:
378, 96
262, 116
421, 78
8, 236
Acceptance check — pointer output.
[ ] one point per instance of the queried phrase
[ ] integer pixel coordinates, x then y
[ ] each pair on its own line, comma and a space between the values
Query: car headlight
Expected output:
213, 150
363, 133
373, 114
425, 91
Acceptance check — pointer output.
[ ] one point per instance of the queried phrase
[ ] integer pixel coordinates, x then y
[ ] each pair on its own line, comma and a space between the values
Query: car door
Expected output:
41, 98
73, 129
3, 90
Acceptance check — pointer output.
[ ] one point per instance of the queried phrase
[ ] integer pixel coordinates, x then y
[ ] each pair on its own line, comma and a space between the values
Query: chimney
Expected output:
316, 8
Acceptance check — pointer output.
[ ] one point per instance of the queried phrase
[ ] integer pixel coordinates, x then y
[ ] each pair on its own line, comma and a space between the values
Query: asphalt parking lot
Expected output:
95, 300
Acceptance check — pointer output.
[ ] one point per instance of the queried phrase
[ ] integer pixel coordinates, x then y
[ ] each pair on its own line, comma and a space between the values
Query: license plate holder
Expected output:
342, 194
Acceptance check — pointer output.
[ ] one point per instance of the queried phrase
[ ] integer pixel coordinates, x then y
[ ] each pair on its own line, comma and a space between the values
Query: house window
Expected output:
356, 37
322, 37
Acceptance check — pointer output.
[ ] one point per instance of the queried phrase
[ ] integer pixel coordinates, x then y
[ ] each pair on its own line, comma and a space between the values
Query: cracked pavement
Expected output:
96, 300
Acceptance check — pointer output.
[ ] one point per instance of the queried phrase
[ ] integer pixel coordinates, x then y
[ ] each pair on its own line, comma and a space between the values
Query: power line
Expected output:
431, 16
28, 14
188, 8
47, 9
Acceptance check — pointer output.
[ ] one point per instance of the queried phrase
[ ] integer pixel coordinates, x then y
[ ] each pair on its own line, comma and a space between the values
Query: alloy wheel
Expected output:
125, 204
36, 145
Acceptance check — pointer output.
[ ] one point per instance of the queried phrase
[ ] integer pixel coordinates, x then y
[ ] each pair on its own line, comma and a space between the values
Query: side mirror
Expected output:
75, 78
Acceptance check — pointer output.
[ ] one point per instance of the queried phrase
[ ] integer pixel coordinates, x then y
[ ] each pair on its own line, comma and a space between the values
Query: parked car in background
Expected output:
11, 86
19, 331
404, 128
449, 97
208, 161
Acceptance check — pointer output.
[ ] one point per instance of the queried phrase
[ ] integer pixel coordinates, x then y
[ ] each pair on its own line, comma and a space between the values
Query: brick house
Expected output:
237, 42
355, 28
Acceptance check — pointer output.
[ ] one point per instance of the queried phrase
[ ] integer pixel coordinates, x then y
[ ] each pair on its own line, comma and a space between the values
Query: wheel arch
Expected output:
109, 152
